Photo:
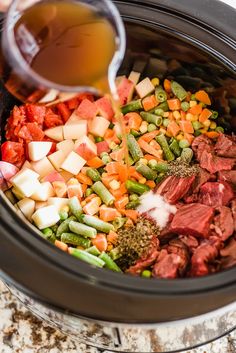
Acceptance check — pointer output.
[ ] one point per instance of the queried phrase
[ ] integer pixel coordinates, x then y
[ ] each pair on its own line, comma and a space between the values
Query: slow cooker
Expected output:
111, 311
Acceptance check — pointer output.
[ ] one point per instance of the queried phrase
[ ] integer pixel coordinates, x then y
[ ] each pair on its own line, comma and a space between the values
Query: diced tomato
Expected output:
104, 106
35, 113
125, 91
18, 115
31, 132
85, 95
73, 103
63, 111
13, 152
52, 120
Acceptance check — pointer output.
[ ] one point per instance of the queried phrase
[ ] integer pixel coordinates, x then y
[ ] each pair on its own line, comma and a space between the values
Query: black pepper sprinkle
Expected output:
182, 169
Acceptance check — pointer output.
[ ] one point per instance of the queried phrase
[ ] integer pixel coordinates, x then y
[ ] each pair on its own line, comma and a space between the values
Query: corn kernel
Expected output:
109, 247
98, 201
142, 180
179, 137
166, 114
203, 131
192, 104
113, 145
143, 160
144, 127
195, 118
65, 209
114, 185
189, 117
207, 123
83, 203
213, 125
72, 181
162, 131
155, 81
176, 114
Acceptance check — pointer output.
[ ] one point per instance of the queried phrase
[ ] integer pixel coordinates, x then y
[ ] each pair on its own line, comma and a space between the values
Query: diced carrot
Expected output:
90, 197
149, 136
134, 174
196, 110
173, 128
183, 115
212, 134
123, 172
84, 187
186, 126
75, 190
96, 162
189, 137
148, 157
112, 237
167, 85
108, 134
118, 155
149, 149
100, 242
120, 192
174, 104
108, 214
112, 168
132, 214
206, 114
203, 97
155, 144
73, 103
134, 120
149, 102
151, 184
84, 179
188, 98
64, 111
92, 206
59, 244
107, 179
122, 202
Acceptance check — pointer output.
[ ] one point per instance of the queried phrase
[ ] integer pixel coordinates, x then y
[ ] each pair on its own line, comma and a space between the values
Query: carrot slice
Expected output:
96, 162
60, 245
107, 179
149, 102
173, 128
132, 214
149, 136
206, 114
108, 214
100, 242
151, 184
196, 110
92, 206
134, 174
148, 157
123, 172
122, 202
212, 134
174, 104
167, 85
118, 155
84, 179
90, 197
134, 120
112, 237
203, 97
189, 138
112, 168
149, 149
84, 187
186, 126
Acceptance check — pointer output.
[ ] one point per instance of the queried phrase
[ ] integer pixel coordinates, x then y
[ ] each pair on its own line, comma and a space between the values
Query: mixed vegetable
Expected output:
63, 165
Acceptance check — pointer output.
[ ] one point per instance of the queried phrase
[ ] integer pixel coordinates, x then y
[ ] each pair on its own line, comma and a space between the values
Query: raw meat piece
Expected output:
224, 223
228, 175
176, 246
216, 194
225, 146
213, 163
233, 209
173, 188
167, 265
229, 254
200, 144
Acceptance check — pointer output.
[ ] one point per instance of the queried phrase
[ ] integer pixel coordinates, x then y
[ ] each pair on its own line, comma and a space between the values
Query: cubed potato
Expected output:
28, 165
55, 133
75, 130
145, 87
27, 207
38, 150
58, 202
44, 192
43, 167
73, 163
57, 159
74, 118
86, 148
66, 146
134, 77
99, 126
26, 182
40, 204
46, 217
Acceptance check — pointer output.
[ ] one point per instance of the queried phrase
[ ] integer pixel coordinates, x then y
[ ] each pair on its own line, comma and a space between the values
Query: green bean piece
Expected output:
193, 97
132, 205
164, 106
96, 223
135, 187
160, 178
175, 148
133, 197
159, 112
82, 229
145, 171
119, 222
146, 274
151, 127
160, 94
63, 215
161, 139
75, 207
86, 257
197, 125
178, 90
64, 226
98, 139
115, 254
132, 106
220, 129
162, 167
131, 161
166, 122
109, 263
104, 194
93, 174
47, 232
135, 133
184, 143
185, 106
88, 192
197, 133
152, 118
134, 148
75, 239
54, 228
93, 251
187, 155
215, 114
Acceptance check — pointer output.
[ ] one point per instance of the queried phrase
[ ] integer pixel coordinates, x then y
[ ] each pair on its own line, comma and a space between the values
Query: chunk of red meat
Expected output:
203, 255
63, 111
176, 246
233, 209
228, 176
147, 260
166, 234
216, 194
35, 113
31, 132
173, 188
229, 254
52, 120
223, 223
213, 163
13, 152
167, 265
190, 241
14, 123
225, 146
202, 177
200, 144
193, 219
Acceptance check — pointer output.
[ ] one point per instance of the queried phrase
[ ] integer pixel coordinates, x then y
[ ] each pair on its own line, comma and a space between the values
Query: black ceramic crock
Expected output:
201, 34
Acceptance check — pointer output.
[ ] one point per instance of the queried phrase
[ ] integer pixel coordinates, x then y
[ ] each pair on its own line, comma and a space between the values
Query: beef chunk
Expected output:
213, 163
225, 146
190, 241
202, 177
200, 144
167, 265
228, 176
216, 194
233, 209
173, 188
229, 254
176, 246
204, 254
193, 219
223, 223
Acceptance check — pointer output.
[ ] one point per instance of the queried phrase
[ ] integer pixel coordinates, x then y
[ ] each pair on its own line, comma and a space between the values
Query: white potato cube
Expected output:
27, 207
134, 77
18, 194
27, 165
58, 202
46, 217
66, 146
44, 192
55, 133
43, 167
38, 150
57, 159
40, 204
73, 163
99, 126
74, 118
86, 148
75, 130
26, 181
145, 87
